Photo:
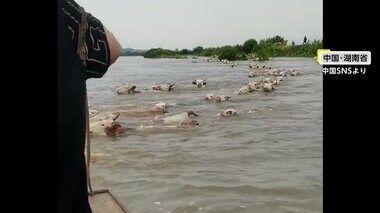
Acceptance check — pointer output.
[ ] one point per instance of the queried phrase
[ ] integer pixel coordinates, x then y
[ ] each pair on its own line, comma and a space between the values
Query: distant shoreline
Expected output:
273, 47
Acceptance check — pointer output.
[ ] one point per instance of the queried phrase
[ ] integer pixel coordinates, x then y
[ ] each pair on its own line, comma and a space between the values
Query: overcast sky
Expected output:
144, 24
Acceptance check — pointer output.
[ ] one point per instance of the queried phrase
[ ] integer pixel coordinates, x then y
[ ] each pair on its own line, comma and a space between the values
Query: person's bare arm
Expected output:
114, 46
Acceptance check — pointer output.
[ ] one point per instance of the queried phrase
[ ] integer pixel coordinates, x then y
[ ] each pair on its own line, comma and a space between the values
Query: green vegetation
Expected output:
249, 45
164, 53
271, 47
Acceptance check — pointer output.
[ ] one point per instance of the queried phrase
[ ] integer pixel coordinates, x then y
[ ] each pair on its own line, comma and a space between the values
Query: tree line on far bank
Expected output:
275, 46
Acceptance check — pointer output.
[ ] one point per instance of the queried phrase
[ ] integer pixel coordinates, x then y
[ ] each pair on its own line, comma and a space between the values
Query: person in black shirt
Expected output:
86, 49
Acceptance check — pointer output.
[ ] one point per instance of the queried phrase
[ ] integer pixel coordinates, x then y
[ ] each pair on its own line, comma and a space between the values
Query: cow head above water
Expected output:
126, 89
209, 96
114, 129
199, 82
160, 107
228, 113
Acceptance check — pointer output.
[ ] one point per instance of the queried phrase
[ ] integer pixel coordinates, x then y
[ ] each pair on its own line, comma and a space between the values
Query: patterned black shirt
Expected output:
98, 58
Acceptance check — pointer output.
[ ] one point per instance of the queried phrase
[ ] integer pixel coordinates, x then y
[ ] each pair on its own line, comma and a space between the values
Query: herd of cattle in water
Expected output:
261, 78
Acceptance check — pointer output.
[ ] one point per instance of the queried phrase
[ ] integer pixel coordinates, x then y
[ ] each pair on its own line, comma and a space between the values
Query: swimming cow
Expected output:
227, 113
179, 118
105, 125
217, 98
126, 89
167, 87
200, 83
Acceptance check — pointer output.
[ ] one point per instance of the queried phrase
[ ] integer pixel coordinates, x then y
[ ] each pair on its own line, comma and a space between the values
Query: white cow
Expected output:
227, 113
126, 89
200, 83
167, 87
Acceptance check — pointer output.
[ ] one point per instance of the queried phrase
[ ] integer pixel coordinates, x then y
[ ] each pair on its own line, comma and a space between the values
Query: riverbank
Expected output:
276, 46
